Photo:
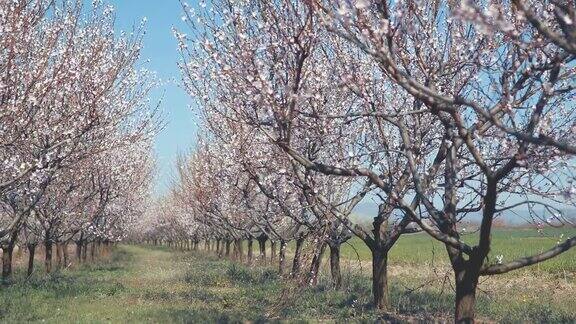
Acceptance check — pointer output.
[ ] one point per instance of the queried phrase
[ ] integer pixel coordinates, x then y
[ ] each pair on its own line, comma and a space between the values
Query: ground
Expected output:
151, 284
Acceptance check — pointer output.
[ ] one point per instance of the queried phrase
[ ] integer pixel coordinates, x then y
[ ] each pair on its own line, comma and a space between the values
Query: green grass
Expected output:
158, 285
143, 284
418, 249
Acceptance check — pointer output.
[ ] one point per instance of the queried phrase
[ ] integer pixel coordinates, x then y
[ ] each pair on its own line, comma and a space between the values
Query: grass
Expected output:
156, 285
418, 249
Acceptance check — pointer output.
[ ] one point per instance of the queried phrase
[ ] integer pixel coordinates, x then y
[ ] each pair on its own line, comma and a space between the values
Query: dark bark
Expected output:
31, 254
92, 251
84, 251
335, 265
58, 255
296, 263
7, 252
65, 254
6, 262
380, 279
466, 283
262, 246
48, 256
250, 251
79, 251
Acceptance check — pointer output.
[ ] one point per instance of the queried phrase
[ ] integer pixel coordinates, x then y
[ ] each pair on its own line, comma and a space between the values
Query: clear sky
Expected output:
160, 47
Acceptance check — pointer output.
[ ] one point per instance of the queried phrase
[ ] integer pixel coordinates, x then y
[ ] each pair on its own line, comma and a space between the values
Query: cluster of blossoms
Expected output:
75, 127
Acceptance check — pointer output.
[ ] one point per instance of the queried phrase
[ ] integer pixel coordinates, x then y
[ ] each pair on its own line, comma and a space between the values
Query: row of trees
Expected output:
75, 128
438, 110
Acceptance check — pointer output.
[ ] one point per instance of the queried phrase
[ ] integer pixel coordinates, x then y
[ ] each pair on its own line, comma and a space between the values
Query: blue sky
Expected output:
160, 47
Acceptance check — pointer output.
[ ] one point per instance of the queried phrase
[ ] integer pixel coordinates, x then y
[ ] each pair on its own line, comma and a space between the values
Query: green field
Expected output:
148, 284
418, 249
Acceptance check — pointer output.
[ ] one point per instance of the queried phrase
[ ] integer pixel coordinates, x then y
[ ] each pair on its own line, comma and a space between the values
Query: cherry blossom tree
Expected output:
499, 78
71, 94
279, 75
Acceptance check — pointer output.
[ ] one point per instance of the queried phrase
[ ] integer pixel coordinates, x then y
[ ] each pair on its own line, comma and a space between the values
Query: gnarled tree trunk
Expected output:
92, 251
380, 279
239, 250
262, 246
31, 254
335, 265
84, 251
79, 251
296, 263
315, 265
250, 251
59, 255
7, 252
466, 283
48, 256
6, 262
65, 254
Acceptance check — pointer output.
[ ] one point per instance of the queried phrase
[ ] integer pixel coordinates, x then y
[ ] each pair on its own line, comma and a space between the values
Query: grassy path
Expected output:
156, 285
138, 284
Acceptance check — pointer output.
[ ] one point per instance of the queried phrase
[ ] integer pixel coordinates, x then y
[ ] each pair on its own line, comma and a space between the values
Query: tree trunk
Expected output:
59, 255
239, 250
234, 250
250, 252
262, 246
466, 283
31, 254
6, 263
335, 265
297, 256
218, 247
92, 251
228, 248
282, 258
380, 279
272, 251
315, 265
65, 253
222, 251
79, 251
8, 250
84, 251
48, 256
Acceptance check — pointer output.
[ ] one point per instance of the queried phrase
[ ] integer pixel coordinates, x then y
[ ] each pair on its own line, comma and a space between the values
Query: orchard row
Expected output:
439, 112
75, 128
